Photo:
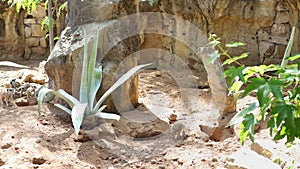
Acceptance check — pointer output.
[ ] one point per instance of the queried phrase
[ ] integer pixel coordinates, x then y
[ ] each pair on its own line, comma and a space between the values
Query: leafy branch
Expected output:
276, 88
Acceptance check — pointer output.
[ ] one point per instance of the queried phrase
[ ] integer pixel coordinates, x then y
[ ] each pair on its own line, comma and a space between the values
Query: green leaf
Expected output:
231, 60
96, 85
213, 56
263, 93
83, 95
101, 108
280, 110
233, 73
59, 93
292, 58
214, 42
259, 80
234, 44
63, 108
272, 125
151, 2
77, 116
71, 100
108, 116
288, 49
61, 8
92, 85
255, 84
41, 96
281, 134
249, 124
235, 87
276, 89
250, 71
243, 134
238, 117
118, 83
297, 124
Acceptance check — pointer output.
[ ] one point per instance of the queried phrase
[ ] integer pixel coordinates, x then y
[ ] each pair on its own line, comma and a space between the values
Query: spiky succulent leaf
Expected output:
118, 83
69, 111
92, 89
77, 116
83, 95
108, 116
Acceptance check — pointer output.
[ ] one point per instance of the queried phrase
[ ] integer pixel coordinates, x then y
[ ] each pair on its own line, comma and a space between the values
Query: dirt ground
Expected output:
32, 140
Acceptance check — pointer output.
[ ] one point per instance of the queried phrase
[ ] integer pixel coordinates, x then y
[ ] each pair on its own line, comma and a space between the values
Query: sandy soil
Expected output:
32, 140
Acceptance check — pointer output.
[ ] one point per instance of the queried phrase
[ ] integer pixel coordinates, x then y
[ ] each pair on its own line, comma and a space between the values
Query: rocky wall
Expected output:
21, 35
12, 37
264, 25
36, 44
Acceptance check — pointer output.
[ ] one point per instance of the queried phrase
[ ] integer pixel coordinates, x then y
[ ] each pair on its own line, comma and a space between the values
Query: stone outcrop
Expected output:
178, 31
12, 39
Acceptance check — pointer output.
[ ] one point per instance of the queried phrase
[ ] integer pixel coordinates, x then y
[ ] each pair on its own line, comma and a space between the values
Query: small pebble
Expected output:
147, 157
130, 162
6, 146
38, 161
38, 141
45, 122
161, 167
214, 159
153, 161
115, 161
209, 144
138, 165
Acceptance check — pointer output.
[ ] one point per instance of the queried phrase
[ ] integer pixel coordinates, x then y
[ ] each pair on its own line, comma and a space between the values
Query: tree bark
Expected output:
51, 34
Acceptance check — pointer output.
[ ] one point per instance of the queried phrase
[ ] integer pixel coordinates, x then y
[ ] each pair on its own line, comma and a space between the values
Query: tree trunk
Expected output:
51, 34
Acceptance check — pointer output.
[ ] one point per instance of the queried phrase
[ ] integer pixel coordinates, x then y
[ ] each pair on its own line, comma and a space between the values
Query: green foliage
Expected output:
27, 5
90, 83
47, 23
30, 5
61, 8
276, 88
151, 2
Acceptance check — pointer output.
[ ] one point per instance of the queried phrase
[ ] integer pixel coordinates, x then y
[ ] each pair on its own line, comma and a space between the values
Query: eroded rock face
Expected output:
12, 39
264, 26
65, 62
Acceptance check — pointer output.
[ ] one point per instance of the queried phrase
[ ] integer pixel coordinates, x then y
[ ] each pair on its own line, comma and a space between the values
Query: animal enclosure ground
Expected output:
32, 140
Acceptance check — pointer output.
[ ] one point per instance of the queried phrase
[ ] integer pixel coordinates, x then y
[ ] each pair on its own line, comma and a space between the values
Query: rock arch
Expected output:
114, 33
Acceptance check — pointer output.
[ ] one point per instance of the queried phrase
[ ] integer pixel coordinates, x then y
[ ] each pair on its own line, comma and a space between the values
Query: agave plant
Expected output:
91, 77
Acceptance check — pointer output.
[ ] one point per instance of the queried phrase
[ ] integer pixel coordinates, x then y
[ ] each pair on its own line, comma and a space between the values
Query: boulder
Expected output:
65, 62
